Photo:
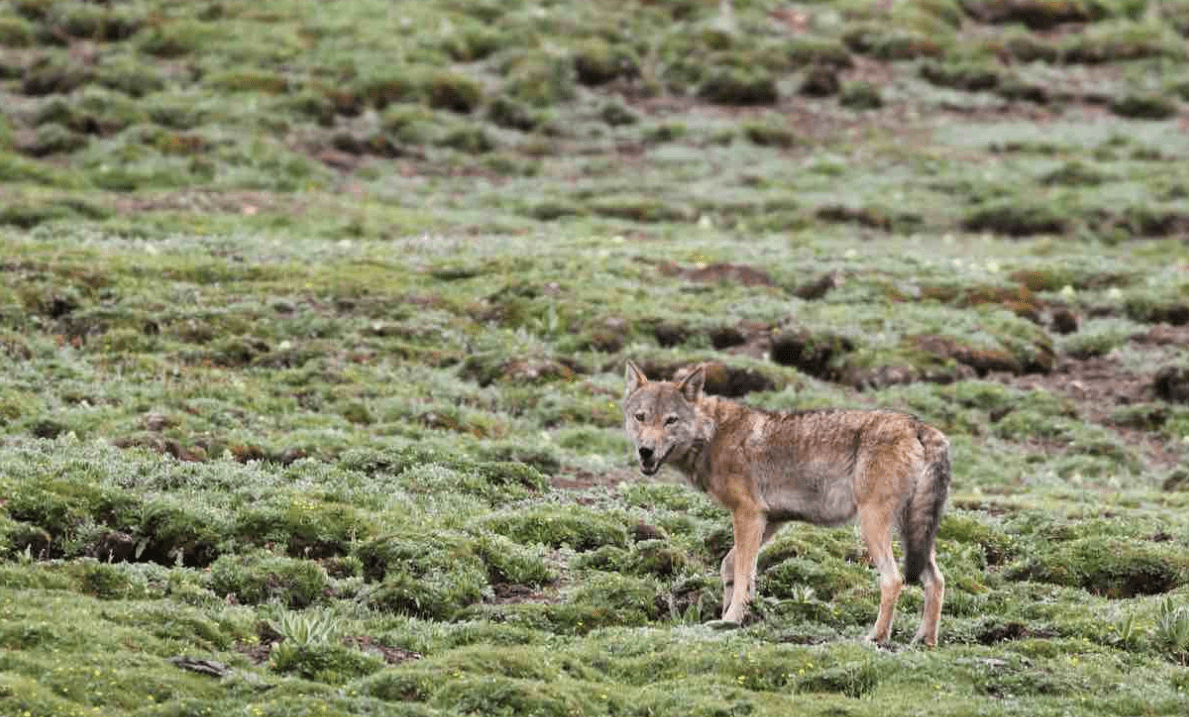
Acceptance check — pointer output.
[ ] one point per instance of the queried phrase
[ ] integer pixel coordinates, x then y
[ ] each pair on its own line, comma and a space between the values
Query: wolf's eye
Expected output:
640, 416
670, 420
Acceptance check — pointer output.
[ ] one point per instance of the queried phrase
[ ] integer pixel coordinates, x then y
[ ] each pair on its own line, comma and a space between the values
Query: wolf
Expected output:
826, 467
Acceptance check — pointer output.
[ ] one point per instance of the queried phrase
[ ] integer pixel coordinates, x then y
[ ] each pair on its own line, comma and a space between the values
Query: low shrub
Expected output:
860, 95
769, 133
54, 75
969, 76
729, 85
614, 599
259, 578
1109, 566
540, 79
511, 114
578, 527
1122, 41
303, 527
430, 597
1144, 106
453, 91
892, 43
1017, 218
598, 62
326, 662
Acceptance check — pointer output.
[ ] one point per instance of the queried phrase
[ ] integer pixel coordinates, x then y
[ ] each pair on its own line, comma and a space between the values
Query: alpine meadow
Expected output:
314, 320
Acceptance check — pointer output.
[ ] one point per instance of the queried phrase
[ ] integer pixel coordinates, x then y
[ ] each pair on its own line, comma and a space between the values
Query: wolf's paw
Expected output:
723, 625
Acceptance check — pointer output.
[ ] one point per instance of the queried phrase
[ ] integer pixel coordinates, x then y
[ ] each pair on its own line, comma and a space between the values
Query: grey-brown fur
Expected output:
888, 469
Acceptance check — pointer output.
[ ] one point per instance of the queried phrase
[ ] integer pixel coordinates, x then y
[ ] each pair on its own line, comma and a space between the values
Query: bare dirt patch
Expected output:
1011, 631
516, 594
719, 273
579, 479
247, 203
391, 655
1099, 386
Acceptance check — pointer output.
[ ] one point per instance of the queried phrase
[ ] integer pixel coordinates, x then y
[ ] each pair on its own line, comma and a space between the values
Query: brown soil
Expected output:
257, 653
391, 655
509, 594
1099, 386
578, 479
719, 273
204, 200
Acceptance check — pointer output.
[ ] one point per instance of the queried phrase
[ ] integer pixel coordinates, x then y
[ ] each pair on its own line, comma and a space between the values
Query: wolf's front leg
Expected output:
749, 533
728, 578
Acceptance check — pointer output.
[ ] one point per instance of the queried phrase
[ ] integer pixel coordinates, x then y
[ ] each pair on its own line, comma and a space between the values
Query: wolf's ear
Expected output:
635, 378
691, 385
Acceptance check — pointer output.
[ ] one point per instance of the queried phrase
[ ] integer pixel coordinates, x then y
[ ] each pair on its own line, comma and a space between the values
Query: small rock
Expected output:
725, 337
205, 667
879, 377
820, 82
116, 547
819, 287
47, 428
721, 379
810, 353
156, 422
609, 336
668, 335
61, 305
1159, 335
180, 452
1172, 383
982, 361
292, 454
643, 531
245, 453
730, 273
1177, 480
1064, 321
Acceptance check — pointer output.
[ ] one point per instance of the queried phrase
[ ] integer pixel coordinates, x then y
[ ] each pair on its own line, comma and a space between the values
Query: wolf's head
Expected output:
661, 417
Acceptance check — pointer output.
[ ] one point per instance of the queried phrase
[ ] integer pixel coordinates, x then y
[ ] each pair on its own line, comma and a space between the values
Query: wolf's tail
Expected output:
927, 502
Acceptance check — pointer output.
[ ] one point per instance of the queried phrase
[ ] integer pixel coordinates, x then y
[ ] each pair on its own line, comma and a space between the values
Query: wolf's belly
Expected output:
826, 505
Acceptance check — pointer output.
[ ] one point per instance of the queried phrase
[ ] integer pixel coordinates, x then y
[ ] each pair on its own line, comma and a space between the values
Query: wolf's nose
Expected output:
645, 453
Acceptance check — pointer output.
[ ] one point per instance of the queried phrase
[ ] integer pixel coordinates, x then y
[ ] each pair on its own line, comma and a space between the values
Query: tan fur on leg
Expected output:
749, 533
876, 529
934, 585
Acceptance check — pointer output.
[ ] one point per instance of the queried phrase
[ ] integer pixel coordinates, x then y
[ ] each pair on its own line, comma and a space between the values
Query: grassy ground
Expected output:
313, 319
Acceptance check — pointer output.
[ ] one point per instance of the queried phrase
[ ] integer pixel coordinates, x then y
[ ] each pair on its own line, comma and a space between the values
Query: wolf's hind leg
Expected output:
934, 585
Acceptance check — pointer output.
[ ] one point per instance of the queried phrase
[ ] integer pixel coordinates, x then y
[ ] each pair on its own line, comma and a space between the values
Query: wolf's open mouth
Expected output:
651, 467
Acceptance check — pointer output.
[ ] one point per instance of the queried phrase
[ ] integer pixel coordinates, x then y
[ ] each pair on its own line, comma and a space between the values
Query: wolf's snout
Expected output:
649, 463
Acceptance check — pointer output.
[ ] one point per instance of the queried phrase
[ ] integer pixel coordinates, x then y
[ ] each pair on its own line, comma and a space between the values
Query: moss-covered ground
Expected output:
313, 318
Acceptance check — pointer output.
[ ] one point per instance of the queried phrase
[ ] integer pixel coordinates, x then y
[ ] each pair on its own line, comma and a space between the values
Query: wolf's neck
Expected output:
694, 463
